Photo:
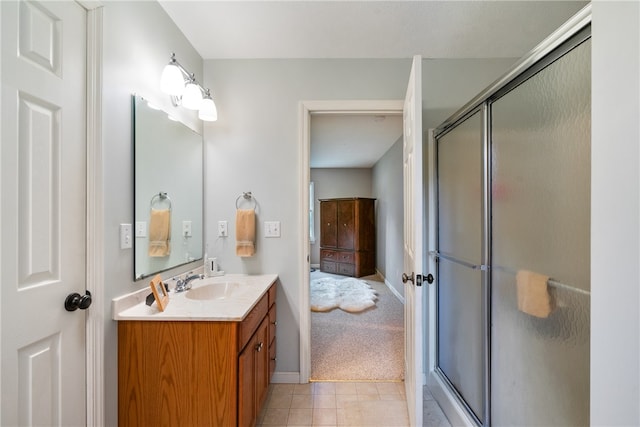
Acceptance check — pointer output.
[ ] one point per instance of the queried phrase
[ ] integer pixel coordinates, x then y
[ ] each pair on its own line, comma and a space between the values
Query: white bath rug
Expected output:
352, 295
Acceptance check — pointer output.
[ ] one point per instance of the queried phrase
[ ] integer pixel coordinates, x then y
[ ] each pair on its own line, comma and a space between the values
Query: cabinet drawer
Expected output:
272, 295
346, 257
328, 255
328, 266
346, 269
252, 321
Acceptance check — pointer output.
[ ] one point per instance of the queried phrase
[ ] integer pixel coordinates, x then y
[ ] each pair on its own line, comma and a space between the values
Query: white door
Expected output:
43, 216
413, 214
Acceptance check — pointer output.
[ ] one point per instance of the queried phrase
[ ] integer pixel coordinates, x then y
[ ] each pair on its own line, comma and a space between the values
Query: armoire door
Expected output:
346, 224
329, 224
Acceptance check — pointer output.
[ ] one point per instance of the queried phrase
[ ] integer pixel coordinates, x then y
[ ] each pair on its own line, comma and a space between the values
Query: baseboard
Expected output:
393, 290
317, 266
285, 378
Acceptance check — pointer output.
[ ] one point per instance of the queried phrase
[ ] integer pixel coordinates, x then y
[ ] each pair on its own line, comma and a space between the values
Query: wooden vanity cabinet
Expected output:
195, 373
348, 236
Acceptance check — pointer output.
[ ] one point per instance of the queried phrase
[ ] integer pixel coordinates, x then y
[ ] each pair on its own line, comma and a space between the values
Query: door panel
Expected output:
329, 228
460, 345
413, 214
346, 224
460, 191
43, 212
461, 330
541, 222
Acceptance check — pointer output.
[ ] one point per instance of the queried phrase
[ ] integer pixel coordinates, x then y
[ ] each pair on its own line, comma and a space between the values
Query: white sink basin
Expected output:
213, 291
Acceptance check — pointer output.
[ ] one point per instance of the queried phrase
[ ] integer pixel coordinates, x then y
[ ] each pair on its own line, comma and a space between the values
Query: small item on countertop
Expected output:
159, 290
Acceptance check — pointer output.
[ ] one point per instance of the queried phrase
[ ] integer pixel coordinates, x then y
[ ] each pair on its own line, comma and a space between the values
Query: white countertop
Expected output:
247, 291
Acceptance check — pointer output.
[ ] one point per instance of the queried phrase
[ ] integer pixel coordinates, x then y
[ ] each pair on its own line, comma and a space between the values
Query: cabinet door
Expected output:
246, 386
346, 224
262, 364
328, 224
253, 374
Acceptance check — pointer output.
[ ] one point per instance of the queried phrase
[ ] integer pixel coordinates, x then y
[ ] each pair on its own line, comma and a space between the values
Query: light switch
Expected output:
222, 229
125, 236
186, 229
272, 229
141, 229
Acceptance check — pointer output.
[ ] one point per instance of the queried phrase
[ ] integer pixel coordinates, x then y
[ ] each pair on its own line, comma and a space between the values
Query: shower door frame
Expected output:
565, 38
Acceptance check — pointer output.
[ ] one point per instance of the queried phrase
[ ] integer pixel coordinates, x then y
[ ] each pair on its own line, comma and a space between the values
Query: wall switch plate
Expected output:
186, 229
141, 229
223, 230
125, 236
272, 229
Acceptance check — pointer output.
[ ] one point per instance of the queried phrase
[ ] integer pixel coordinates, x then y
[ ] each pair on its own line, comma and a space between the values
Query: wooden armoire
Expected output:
348, 236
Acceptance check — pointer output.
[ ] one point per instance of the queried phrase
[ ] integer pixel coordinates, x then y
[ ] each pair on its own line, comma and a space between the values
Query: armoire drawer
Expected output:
346, 257
346, 269
328, 266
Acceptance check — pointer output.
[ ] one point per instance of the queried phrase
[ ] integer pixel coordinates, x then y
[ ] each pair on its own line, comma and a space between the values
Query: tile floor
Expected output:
362, 404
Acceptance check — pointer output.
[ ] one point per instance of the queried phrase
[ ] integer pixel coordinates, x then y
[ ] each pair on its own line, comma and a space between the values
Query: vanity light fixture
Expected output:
185, 90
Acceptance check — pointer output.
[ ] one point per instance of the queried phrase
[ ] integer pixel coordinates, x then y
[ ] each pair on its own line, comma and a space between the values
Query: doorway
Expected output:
309, 108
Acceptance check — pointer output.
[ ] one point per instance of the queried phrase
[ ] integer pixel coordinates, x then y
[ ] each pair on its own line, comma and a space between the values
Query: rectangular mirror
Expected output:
168, 191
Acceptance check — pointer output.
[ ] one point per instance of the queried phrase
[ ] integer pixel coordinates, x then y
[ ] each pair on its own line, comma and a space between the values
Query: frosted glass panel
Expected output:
540, 222
460, 330
460, 191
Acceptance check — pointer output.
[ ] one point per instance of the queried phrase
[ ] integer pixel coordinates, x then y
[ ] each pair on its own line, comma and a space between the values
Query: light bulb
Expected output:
192, 97
172, 81
208, 111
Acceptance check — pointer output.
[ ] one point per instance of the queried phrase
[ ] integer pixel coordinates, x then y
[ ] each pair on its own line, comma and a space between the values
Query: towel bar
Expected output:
160, 198
551, 282
246, 196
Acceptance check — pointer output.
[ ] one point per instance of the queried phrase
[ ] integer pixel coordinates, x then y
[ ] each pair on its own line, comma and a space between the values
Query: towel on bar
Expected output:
160, 233
245, 232
533, 296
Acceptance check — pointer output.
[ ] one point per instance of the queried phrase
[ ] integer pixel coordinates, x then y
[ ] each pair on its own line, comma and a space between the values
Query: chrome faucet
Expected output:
185, 284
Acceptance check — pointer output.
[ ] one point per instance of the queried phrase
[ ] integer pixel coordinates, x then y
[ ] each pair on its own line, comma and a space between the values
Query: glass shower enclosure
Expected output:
513, 243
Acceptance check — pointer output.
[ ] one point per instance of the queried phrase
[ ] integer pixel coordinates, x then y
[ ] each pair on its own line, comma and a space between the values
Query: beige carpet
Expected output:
365, 346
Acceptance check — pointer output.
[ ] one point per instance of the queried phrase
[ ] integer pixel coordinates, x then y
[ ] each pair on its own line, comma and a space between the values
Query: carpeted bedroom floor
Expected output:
365, 346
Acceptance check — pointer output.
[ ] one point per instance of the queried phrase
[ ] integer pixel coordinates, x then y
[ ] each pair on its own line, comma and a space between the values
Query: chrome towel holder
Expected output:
246, 195
159, 199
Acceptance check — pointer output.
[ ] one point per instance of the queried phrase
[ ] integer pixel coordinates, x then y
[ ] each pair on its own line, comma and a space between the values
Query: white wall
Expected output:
138, 40
615, 214
331, 183
387, 188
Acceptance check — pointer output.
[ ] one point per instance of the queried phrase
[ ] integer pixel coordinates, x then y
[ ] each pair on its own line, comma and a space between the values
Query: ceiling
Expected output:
365, 29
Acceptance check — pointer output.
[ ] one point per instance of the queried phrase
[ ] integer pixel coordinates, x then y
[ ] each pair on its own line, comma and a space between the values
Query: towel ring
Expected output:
160, 198
246, 196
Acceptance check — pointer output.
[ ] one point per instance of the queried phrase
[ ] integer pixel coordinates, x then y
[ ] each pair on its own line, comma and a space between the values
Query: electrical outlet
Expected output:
272, 229
141, 229
186, 229
125, 236
223, 230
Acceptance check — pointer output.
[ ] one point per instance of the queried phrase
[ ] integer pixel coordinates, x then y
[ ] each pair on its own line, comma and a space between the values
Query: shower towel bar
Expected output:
551, 282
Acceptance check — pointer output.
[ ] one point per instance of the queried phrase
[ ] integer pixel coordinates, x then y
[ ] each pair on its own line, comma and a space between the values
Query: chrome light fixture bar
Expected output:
185, 90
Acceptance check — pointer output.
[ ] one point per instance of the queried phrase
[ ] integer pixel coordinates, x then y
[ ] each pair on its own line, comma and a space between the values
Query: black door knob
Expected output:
429, 278
76, 301
406, 278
